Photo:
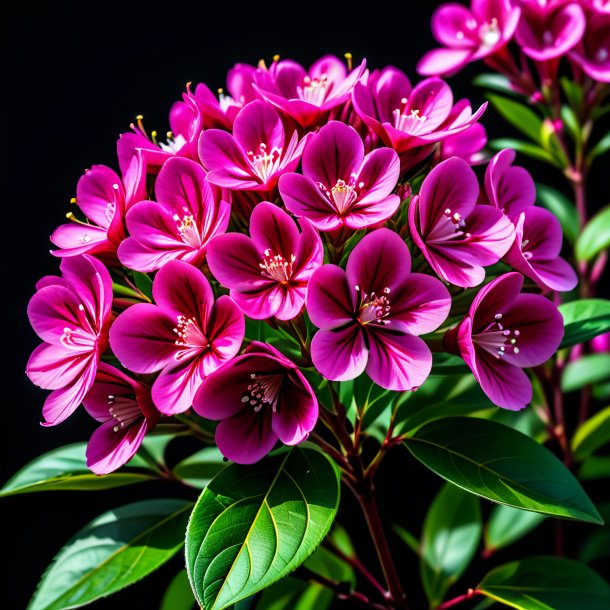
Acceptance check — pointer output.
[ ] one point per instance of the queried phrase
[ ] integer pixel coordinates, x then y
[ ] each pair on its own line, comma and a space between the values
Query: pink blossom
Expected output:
592, 54
370, 314
468, 145
535, 251
186, 335
125, 408
600, 344
468, 34
240, 91
187, 214
340, 185
509, 188
104, 199
260, 397
71, 314
269, 271
504, 332
457, 237
548, 29
308, 96
408, 119
255, 155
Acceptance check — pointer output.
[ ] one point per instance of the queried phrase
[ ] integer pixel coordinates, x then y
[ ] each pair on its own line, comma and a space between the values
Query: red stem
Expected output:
458, 600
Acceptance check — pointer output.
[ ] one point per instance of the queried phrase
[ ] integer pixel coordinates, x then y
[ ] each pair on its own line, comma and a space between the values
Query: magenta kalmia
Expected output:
321, 264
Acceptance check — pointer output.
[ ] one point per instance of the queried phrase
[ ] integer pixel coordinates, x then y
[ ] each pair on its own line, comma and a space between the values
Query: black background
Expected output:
74, 76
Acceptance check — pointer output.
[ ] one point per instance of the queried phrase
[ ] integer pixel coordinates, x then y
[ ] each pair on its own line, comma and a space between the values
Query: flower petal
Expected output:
258, 123
339, 355
297, 410
53, 367
330, 298
272, 228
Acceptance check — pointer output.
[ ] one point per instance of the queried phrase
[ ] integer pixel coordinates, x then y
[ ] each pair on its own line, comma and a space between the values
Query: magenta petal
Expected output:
303, 198
391, 86
258, 123
419, 305
225, 330
181, 186
506, 386
330, 298
333, 154
53, 367
76, 239
246, 437
51, 309
109, 450
272, 228
450, 26
339, 355
371, 215
380, 261
174, 389
259, 305
397, 362
142, 338
297, 411
443, 62
557, 275
379, 172
493, 298
96, 190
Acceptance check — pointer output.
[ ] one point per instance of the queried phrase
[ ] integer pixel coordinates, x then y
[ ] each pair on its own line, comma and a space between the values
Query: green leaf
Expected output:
546, 583
587, 370
584, 320
326, 564
507, 524
556, 202
519, 115
450, 537
595, 467
293, 594
526, 148
448, 364
200, 468
151, 453
497, 82
591, 435
252, 525
115, 550
65, 469
498, 463
143, 283
573, 92
570, 120
595, 237
597, 543
602, 147
178, 595
408, 538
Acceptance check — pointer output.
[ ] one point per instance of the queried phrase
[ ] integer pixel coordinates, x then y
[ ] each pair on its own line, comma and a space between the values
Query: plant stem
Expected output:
458, 600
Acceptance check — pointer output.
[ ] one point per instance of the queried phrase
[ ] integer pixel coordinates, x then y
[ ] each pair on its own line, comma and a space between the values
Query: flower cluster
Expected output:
296, 199
544, 30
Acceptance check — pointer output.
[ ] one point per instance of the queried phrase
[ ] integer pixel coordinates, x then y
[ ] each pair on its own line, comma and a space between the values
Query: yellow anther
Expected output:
348, 59
276, 58
73, 200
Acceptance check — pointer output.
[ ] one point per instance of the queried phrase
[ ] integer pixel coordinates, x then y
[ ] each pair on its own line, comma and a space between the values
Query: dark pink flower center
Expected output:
190, 337
187, 229
489, 33
265, 163
124, 410
344, 194
81, 337
525, 249
403, 119
602, 54
450, 227
264, 389
314, 90
497, 339
276, 267
373, 308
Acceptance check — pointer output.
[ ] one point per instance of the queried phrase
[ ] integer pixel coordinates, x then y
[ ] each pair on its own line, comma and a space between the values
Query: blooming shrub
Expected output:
320, 266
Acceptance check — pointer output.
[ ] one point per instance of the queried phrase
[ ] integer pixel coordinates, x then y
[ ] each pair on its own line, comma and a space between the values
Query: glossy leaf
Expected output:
450, 537
507, 525
200, 468
597, 544
115, 550
178, 595
591, 435
408, 538
595, 467
545, 583
501, 464
151, 453
587, 370
526, 148
294, 594
563, 208
519, 115
496, 82
252, 525
65, 469
601, 148
584, 319
595, 237
143, 283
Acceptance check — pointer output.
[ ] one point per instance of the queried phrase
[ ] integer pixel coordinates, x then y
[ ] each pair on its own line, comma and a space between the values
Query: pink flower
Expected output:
370, 314
468, 35
535, 251
71, 315
504, 332
240, 88
260, 397
592, 54
467, 145
257, 153
549, 29
600, 344
457, 237
340, 186
104, 199
187, 214
125, 408
267, 273
411, 120
186, 335
308, 96
510, 189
